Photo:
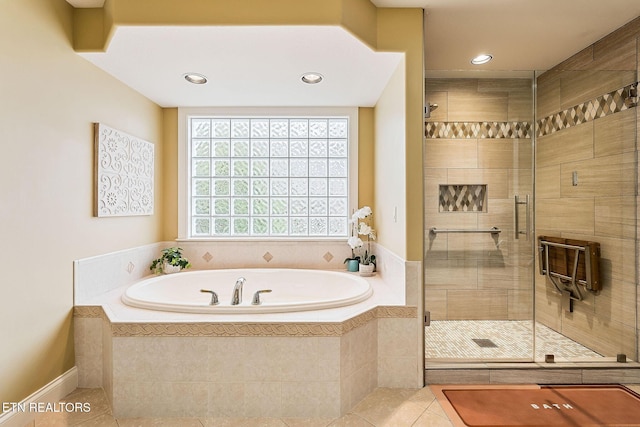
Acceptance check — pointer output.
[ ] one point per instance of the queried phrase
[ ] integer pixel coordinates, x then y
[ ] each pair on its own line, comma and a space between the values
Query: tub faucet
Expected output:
214, 296
256, 296
236, 296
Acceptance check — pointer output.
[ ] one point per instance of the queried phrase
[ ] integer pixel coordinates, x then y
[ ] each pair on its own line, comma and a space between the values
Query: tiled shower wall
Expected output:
585, 126
480, 134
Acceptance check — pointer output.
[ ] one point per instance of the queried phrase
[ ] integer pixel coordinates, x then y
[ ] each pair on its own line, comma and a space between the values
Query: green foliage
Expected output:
368, 258
172, 256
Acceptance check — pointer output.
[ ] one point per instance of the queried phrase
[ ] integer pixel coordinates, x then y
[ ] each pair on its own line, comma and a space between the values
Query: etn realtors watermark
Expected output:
65, 407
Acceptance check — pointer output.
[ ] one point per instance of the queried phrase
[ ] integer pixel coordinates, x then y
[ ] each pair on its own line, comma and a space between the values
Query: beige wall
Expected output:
602, 207
390, 150
50, 98
478, 276
400, 30
95, 27
390, 164
170, 173
366, 156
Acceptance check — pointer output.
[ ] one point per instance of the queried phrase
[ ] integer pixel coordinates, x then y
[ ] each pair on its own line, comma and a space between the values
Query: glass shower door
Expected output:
586, 180
478, 180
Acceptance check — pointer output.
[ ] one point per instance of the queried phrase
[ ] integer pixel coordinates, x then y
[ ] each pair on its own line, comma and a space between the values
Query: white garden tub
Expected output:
291, 290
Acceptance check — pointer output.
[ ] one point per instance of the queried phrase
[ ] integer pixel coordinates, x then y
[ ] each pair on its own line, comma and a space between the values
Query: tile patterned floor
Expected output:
448, 340
383, 407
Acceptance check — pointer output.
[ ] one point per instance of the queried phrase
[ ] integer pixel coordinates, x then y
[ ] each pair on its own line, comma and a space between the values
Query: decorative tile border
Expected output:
226, 329
288, 329
88, 311
358, 321
491, 130
462, 198
602, 106
205, 255
406, 312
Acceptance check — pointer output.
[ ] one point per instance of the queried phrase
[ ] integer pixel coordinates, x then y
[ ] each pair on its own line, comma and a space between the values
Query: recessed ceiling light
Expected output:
195, 78
312, 78
481, 59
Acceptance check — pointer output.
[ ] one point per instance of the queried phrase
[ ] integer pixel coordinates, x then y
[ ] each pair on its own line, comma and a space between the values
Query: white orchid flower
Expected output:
365, 212
364, 229
355, 242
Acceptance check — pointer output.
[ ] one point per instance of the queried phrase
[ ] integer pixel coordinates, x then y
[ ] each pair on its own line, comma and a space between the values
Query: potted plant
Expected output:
171, 261
361, 226
353, 261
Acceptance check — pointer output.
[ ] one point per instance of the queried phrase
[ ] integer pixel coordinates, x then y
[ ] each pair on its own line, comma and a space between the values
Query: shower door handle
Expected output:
517, 216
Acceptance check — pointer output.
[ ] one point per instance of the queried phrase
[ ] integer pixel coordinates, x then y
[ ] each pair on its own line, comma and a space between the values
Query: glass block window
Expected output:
268, 177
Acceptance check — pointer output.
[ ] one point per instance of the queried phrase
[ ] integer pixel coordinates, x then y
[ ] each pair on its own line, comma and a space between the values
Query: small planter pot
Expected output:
366, 269
168, 268
352, 265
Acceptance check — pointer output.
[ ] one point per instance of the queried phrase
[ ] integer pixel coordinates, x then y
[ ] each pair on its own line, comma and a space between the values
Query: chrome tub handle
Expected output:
214, 296
256, 296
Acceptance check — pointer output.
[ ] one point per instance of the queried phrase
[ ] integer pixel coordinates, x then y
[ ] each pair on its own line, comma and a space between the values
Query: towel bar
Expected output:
492, 230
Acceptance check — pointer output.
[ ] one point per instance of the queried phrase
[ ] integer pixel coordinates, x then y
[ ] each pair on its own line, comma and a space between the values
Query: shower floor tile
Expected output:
447, 340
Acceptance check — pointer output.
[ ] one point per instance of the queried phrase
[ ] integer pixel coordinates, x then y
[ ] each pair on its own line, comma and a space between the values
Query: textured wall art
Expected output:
123, 173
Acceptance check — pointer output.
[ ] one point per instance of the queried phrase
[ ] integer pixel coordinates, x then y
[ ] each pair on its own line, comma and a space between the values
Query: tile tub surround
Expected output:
98, 275
348, 351
323, 255
299, 369
312, 364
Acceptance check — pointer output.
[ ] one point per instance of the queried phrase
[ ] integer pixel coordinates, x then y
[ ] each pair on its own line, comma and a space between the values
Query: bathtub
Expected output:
291, 290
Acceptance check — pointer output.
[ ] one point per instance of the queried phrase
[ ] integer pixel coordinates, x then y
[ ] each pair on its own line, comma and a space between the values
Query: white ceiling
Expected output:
247, 66
259, 66
520, 34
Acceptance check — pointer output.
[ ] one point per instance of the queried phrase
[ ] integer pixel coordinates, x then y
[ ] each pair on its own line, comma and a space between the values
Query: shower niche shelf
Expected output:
462, 198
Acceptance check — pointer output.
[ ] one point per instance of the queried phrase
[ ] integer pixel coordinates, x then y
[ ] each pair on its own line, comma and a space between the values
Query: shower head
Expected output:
433, 107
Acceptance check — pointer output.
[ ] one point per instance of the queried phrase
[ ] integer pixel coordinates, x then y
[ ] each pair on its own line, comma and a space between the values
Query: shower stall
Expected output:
515, 160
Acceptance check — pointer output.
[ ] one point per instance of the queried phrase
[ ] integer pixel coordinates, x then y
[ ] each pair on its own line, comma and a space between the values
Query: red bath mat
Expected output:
543, 406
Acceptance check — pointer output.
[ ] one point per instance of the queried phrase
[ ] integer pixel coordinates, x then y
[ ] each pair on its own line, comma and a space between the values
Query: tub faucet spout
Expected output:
236, 296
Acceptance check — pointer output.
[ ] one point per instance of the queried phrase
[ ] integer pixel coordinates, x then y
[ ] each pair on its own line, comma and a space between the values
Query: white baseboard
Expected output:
52, 392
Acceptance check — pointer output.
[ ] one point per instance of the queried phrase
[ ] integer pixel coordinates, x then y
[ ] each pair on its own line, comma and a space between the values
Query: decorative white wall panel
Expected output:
124, 173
